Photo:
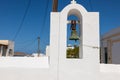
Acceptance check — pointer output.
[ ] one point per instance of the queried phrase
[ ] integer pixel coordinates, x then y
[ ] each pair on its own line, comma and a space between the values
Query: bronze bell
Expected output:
74, 35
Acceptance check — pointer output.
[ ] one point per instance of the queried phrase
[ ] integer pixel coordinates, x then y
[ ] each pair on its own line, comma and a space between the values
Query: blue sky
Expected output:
37, 20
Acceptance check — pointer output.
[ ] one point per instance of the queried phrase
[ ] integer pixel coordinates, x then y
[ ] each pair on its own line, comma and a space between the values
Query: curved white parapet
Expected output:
24, 62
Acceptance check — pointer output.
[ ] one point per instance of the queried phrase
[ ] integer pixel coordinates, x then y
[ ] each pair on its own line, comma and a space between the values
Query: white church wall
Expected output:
109, 72
89, 64
109, 76
24, 62
24, 68
25, 74
54, 44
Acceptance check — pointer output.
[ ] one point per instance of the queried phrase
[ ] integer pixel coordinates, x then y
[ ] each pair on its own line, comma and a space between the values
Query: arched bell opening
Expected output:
73, 50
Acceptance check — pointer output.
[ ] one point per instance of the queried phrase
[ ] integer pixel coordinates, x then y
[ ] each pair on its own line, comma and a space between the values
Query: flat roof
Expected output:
4, 42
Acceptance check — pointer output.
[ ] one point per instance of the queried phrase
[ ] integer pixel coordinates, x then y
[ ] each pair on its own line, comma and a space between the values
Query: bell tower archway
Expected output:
73, 50
88, 61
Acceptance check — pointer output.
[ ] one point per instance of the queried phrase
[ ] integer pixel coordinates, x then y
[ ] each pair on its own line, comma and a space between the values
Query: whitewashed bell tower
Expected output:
85, 67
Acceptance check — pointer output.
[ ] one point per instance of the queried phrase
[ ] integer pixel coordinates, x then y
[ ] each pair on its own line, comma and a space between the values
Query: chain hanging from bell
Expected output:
74, 35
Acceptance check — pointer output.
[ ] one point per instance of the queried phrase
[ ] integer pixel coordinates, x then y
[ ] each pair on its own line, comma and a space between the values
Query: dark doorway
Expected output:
106, 55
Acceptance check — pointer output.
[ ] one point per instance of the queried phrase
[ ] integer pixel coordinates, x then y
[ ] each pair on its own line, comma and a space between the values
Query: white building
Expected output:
6, 48
36, 55
110, 47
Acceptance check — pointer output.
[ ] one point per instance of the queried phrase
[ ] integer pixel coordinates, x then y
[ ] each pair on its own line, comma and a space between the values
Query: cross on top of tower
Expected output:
73, 1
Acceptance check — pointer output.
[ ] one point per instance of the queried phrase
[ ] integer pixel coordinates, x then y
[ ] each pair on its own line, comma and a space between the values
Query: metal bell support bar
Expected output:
77, 22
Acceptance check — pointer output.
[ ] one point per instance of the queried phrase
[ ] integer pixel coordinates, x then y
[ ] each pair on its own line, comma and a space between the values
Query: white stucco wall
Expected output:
109, 72
25, 68
24, 62
88, 65
114, 37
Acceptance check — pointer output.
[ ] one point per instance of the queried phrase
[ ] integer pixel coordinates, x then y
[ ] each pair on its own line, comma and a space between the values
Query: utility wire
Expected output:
44, 19
29, 44
22, 21
25, 42
91, 5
